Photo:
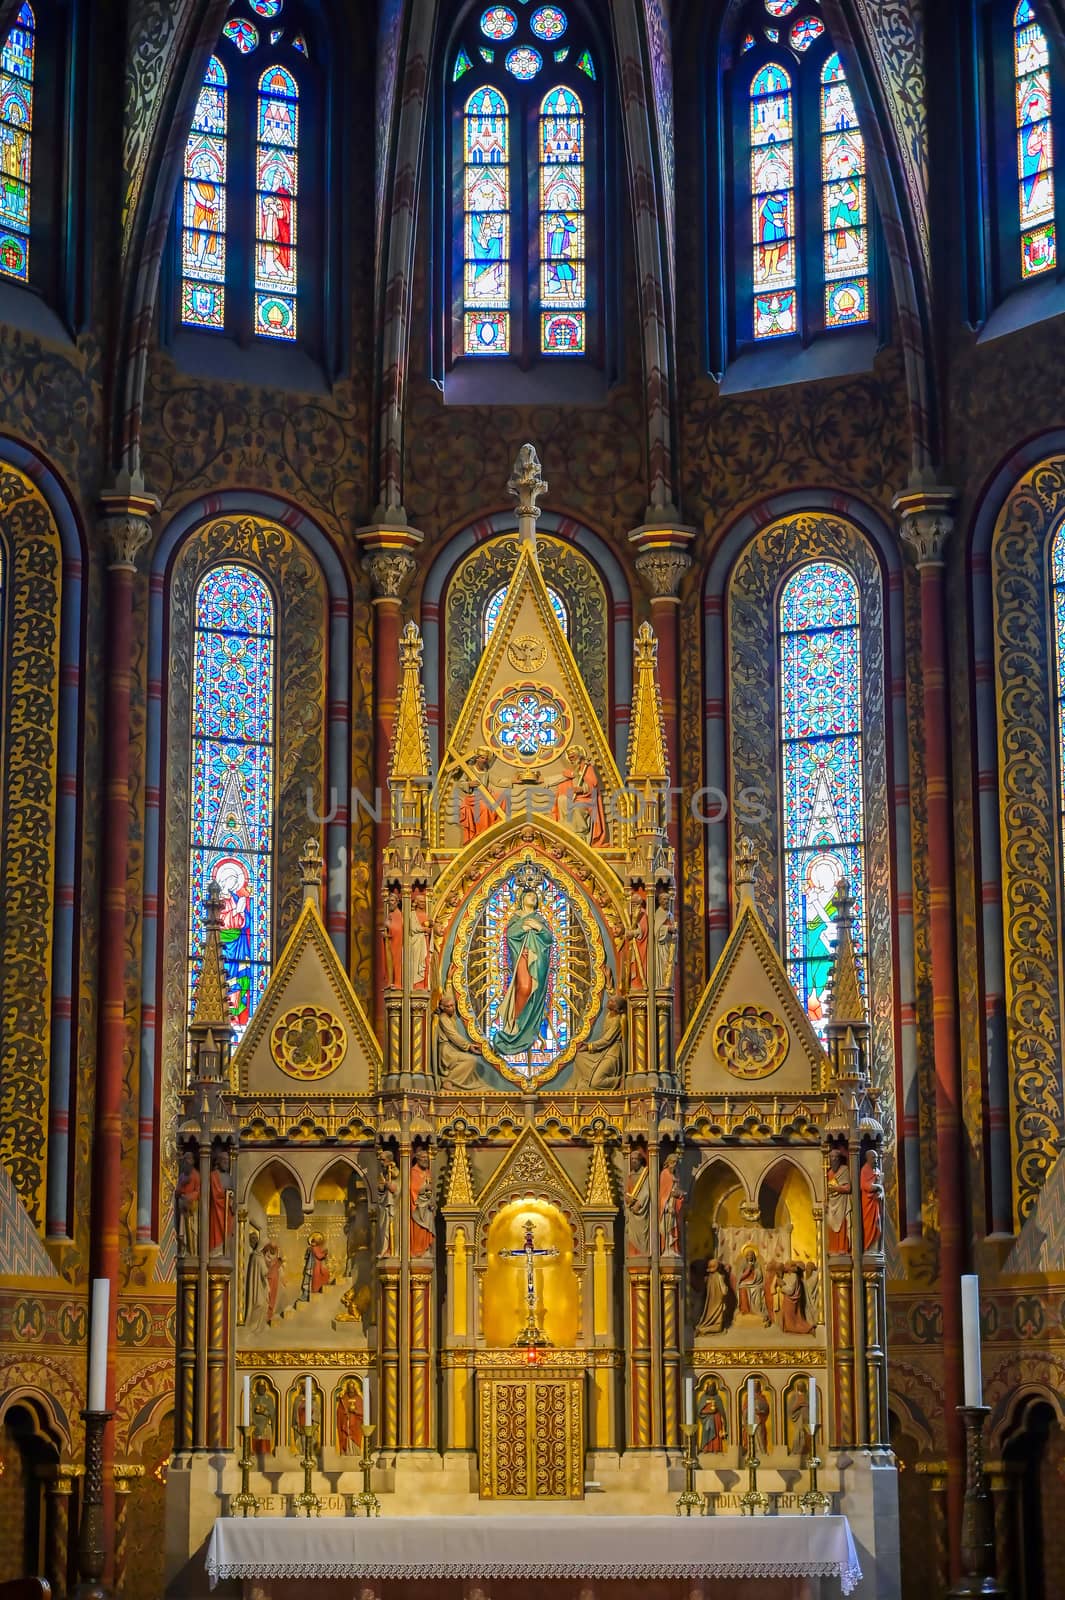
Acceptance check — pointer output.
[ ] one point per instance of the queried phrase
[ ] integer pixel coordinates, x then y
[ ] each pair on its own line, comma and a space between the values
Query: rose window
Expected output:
528, 723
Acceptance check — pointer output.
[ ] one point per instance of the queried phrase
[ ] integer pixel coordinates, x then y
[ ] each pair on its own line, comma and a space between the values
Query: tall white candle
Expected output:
689, 1399
99, 1330
245, 1403
750, 1403
813, 1403
970, 1339
367, 1402
308, 1414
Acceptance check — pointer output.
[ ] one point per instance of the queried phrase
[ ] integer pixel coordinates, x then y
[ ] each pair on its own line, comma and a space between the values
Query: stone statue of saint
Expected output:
748, 1282
665, 941
872, 1188
524, 1005
263, 1415
789, 1287
187, 1204
670, 1204
387, 1190
422, 1204
638, 1206
838, 1204
812, 1283
597, 1064
713, 1420
456, 1063
717, 1302
798, 1409
256, 1285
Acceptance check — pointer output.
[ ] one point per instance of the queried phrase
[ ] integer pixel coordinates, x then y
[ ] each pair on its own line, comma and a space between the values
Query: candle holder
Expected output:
815, 1500
367, 1501
753, 1501
690, 1500
977, 1523
308, 1501
92, 1556
245, 1501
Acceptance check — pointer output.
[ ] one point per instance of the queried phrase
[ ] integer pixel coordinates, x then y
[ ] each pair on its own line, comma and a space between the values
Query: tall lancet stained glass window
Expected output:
486, 224
203, 236
277, 185
821, 771
524, 89
16, 145
231, 836
844, 202
1035, 144
773, 203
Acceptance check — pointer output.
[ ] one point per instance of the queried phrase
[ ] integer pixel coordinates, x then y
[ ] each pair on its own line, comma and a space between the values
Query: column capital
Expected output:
388, 558
664, 556
126, 526
926, 521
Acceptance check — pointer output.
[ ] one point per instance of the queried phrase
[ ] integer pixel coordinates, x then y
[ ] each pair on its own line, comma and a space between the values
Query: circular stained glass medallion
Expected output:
243, 34
528, 723
548, 22
805, 32
498, 23
780, 8
524, 62
266, 8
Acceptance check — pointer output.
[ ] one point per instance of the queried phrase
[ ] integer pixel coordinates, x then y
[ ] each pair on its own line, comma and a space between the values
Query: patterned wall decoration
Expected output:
33, 559
752, 691
487, 569
922, 952
660, 55
155, 32
894, 34
21, 1251
300, 753
691, 721
1030, 848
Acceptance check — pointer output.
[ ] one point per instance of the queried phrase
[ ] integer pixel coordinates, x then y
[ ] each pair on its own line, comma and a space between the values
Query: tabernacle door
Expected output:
531, 1435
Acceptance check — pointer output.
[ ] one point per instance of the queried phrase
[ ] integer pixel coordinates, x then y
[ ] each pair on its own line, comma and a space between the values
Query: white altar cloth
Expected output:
533, 1547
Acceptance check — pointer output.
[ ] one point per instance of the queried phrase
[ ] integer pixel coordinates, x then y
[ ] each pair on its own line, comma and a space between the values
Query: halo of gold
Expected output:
541, 755
728, 1031
290, 1033
469, 917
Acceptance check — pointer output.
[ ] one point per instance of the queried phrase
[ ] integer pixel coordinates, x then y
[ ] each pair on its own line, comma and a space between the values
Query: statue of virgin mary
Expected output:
521, 1013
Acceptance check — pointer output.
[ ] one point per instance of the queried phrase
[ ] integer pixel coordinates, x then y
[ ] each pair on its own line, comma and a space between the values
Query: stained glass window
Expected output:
562, 224
16, 141
845, 200
495, 606
512, 214
277, 184
203, 237
486, 226
1035, 144
821, 780
231, 836
773, 202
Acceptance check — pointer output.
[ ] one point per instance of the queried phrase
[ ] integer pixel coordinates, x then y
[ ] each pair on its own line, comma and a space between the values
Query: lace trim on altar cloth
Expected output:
848, 1573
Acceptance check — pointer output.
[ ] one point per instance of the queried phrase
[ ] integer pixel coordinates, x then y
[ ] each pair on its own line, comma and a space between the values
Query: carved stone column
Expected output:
125, 1475
925, 525
663, 559
124, 529
389, 560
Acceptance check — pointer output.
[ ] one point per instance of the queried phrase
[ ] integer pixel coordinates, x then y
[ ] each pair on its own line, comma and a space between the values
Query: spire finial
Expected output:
527, 485
743, 870
211, 1010
647, 762
311, 872
846, 1007
410, 735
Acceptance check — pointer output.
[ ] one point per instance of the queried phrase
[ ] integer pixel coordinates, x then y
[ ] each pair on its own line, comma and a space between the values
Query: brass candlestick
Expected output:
367, 1501
753, 1500
689, 1501
815, 1499
245, 1501
308, 1501
977, 1524
92, 1556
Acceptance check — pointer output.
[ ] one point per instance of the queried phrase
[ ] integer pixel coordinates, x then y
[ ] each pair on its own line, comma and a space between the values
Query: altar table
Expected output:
430, 1556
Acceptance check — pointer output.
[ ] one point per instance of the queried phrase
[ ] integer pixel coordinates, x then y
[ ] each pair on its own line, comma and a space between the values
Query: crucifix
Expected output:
532, 1334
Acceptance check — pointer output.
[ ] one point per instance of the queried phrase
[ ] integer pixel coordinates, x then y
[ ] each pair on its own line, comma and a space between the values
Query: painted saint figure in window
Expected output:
16, 142
1035, 143
821, 760
231, 842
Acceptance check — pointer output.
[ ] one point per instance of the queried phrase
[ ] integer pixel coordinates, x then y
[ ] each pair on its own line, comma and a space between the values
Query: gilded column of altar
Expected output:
857, 1297
388, 558
422, 1341
219, 1346
404, 1231
185, 1389
657, 1385
388, 1281
875, 1354
839, 1334
925, 524
459, 1213
125, 1476
672, 1322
